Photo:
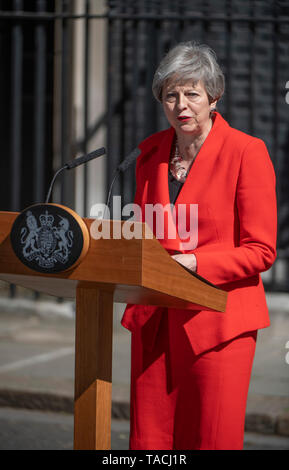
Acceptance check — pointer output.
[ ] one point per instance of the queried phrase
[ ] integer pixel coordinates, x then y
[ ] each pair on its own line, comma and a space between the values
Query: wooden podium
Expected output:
136, 271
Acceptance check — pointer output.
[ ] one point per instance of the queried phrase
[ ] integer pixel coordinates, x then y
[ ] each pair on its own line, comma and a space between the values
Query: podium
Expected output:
136, 270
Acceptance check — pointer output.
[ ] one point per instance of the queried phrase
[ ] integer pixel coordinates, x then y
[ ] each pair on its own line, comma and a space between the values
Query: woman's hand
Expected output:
189, 261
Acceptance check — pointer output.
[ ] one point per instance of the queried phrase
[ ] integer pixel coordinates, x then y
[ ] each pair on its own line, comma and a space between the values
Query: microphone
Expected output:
129, 160
74, 163
123, 166
85, 158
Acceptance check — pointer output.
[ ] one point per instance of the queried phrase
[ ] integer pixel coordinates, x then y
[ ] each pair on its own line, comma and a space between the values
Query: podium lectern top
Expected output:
137, 271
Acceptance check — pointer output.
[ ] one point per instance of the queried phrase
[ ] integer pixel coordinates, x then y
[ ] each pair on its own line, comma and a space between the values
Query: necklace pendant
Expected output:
178, 171
181, 174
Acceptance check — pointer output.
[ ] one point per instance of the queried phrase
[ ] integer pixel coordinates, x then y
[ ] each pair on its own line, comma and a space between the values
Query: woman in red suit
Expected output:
190, 370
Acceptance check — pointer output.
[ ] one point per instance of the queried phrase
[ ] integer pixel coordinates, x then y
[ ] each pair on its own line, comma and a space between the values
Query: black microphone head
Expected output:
85, 158
129, 159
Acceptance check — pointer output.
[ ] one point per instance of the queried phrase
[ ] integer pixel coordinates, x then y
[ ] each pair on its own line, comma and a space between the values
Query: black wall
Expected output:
251, 39
18, 119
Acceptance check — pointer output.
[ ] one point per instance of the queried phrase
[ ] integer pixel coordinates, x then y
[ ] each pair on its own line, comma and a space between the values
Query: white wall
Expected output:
97, 101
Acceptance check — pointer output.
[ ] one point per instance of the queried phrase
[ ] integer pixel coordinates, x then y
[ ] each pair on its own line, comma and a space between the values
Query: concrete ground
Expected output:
39, 430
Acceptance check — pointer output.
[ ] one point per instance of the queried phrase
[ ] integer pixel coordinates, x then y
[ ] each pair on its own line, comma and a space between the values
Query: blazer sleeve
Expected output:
257, 214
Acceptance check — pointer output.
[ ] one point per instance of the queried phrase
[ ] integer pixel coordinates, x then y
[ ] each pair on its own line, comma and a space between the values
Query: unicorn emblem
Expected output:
64, 236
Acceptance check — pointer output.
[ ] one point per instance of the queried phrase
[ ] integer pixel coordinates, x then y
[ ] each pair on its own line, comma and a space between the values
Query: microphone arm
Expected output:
52, 183
74, 163
110, 189
122, 167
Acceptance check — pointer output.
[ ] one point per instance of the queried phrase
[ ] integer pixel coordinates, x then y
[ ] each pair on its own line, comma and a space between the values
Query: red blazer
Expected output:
233, 182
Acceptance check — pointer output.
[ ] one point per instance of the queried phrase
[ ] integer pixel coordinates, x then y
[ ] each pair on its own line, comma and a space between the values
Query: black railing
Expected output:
37, 44
26, 105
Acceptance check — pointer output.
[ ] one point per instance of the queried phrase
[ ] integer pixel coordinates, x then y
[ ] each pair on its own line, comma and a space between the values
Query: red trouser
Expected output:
183, 401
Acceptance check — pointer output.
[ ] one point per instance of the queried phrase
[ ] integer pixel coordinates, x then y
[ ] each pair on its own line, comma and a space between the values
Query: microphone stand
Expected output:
52, 183
122, 167
74, 163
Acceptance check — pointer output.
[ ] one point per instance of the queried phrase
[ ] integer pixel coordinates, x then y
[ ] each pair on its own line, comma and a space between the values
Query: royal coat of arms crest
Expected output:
45, 242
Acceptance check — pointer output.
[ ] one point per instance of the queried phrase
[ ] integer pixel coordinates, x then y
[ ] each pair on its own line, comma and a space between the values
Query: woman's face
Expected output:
187, 107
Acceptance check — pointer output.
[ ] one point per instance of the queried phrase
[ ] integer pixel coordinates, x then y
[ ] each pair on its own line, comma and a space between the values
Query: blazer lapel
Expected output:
158, 192
202, 169
193, 189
